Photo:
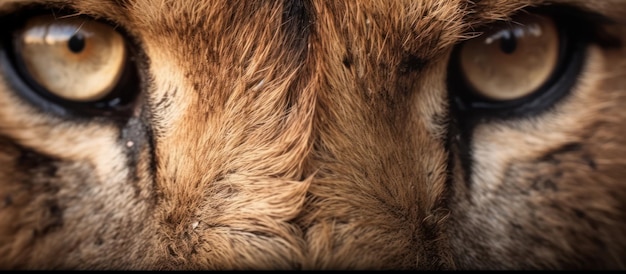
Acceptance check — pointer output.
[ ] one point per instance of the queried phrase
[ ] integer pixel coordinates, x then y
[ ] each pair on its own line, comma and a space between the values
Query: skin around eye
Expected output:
73, 58
513, 61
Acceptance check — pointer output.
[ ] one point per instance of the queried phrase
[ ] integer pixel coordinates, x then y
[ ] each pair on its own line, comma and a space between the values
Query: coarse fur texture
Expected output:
312, 134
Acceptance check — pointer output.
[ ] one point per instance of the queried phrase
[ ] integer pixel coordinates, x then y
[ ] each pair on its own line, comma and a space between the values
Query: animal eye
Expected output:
74, 59
74, 62
512, 62
516, 67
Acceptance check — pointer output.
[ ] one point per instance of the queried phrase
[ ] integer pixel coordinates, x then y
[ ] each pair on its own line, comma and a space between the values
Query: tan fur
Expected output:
264, 143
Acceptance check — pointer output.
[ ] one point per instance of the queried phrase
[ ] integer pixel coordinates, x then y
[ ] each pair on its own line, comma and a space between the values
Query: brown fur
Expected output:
313, 135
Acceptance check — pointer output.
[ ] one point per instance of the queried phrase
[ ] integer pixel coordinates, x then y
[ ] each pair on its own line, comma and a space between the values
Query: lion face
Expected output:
312, 135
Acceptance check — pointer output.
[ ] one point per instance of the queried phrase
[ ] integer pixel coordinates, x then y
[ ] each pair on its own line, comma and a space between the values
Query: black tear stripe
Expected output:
296, 24
136, 137
132, 138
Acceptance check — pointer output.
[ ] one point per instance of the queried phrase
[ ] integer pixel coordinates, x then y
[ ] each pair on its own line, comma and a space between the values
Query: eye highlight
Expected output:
513, 61
73, 58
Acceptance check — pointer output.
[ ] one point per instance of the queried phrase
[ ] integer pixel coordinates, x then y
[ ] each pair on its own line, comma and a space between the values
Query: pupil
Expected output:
76, 43
508, 43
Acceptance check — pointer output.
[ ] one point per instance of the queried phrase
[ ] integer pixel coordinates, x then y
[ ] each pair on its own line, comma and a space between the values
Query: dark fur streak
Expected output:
259, 234
566, 148
411, 63
171, 251
558, 174
461, 147
296, 22
556, 206
544, 184
41, 182
8, 201
31, 160
122, 3
347, 61
164, 102
580, 214
431, 232
537, 241
54, 220
296, 26
134, 132
440, 118
590, 162
148, 121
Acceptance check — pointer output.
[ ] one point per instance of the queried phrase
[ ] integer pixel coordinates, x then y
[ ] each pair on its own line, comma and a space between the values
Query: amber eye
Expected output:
512, 61
71, 65
73, 58
519, 67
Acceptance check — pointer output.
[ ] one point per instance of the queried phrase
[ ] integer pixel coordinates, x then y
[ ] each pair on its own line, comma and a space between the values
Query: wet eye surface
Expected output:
517, 68
71, 64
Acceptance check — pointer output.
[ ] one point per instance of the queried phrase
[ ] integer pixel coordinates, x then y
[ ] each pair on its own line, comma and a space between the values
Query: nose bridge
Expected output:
379, 157
269, 114
236, 135
231, 168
